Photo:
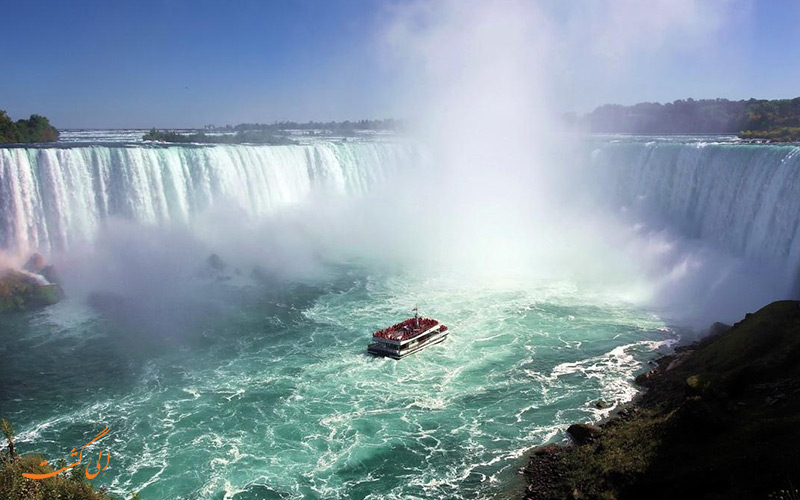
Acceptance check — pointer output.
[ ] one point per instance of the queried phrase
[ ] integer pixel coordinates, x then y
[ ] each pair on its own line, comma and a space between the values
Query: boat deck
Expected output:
407, 337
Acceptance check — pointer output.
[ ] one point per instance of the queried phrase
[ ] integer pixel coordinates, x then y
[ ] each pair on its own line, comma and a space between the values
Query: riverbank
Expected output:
241, 137
719, 419
780, 134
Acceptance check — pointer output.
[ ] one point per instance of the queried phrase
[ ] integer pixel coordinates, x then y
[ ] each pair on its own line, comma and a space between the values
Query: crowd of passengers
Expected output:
407, 329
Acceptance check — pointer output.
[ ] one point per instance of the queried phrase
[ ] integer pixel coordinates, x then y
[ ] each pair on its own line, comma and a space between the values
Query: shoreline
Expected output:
716, 419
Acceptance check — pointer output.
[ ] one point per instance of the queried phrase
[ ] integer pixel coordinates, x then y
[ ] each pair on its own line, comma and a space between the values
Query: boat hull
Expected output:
379, 349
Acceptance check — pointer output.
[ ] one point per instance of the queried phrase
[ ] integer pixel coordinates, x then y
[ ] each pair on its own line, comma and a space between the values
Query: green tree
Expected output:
8, 432
8, 129
37, 128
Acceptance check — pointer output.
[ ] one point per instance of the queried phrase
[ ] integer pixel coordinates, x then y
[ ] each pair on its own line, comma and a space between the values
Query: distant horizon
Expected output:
353, 120
183, 63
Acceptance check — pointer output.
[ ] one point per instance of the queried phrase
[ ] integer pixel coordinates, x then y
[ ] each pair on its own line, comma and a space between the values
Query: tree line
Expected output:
777, 119
37, 128
240, 137
388, 124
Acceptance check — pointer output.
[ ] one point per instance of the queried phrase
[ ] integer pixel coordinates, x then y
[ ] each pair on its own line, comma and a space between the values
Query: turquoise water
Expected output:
251, 391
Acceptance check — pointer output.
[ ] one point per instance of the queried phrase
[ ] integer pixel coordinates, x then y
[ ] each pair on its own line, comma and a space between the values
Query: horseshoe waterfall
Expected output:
53, 197
235, 367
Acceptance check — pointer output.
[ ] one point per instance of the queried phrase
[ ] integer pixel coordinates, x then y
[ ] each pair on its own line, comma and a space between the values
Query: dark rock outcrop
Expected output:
35, 264
718, 420
601, 404
584, 433
49, 273
213, 268
545, 474
215, 263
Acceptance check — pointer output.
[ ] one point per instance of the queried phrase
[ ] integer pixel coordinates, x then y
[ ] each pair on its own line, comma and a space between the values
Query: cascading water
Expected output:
51, 198
743, 199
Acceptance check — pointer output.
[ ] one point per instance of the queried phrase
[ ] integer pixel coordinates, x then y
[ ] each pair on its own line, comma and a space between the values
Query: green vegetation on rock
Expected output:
69, 485
13, 486
22, 292
35, 129
781, 134
719, 419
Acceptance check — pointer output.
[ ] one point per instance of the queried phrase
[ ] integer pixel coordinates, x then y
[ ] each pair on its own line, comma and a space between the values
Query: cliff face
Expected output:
719, 419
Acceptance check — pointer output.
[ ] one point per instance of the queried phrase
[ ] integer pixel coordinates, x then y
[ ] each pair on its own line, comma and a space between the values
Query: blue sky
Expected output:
175, 63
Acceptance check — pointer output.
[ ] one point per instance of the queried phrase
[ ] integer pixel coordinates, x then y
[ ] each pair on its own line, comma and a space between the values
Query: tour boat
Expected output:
407, 337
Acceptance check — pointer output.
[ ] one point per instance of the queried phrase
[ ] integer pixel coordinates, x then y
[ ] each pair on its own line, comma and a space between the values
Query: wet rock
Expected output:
678, 360
601, 404
35, 264
544, 472
49, 273
584, 433
215, 262
643, 378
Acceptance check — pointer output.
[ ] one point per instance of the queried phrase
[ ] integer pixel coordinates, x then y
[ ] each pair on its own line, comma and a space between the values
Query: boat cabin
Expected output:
407, 337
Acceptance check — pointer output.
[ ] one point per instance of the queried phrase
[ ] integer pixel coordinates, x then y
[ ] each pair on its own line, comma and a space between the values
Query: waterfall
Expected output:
741, 198
53, 197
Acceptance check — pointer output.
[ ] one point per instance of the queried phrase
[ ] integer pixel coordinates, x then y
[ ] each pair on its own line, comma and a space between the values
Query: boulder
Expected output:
215, 262
584, 433
49, 273
35, 264
20, 291
602, 404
